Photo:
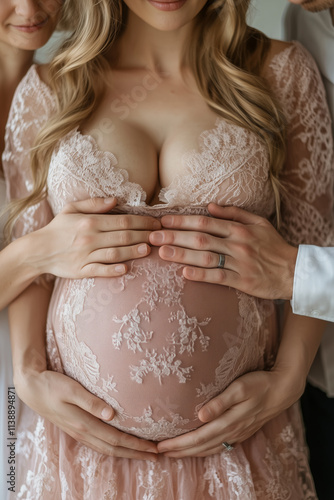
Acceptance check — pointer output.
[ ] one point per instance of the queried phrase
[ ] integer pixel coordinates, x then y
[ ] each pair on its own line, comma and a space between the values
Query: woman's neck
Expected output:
143, 46
14, 64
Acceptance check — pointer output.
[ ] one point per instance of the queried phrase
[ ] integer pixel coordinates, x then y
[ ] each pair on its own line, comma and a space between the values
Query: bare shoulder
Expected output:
43, 73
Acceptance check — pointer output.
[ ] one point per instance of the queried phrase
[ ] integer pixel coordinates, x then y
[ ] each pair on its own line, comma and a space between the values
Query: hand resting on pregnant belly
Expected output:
155, 346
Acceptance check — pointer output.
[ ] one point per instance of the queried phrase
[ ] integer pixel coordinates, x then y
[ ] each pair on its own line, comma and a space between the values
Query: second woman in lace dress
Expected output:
167, 106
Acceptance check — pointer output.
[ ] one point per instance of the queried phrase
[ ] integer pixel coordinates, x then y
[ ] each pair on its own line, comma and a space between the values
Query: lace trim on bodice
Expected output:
230, 166
217, 172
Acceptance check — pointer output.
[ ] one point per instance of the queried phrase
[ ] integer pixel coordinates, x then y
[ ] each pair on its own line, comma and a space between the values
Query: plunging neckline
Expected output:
206, 136
88, 138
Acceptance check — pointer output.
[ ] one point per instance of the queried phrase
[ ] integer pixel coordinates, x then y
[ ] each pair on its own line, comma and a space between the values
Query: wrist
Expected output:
292, 378
24, 380
30, 364
290, 258
34, 253
27, 256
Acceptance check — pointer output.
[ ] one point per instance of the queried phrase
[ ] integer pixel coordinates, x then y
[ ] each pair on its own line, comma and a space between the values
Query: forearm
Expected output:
27, 318
20, 264
300, 340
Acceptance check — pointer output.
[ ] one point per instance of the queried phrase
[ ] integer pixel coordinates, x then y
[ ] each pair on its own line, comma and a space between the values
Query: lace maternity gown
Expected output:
151, 344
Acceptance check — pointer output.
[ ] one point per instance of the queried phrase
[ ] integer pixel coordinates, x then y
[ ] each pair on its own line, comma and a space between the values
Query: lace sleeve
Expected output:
31, 107
307, 178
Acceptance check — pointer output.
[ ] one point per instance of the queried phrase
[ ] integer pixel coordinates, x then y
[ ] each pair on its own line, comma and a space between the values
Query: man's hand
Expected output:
257, 259
237, 413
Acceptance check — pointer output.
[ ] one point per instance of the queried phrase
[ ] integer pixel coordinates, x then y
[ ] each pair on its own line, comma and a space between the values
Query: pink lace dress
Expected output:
151, 344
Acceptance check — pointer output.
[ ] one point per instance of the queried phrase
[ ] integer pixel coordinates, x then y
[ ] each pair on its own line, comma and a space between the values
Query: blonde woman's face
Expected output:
315, 5
28, 24
166, 15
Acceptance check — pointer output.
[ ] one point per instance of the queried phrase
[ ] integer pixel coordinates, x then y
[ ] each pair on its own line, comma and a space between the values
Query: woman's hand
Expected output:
83, 241
237, 413
257, 259
69, 406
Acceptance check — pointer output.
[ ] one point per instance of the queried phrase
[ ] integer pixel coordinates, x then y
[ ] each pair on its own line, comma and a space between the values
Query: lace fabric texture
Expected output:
153, 345
2, 206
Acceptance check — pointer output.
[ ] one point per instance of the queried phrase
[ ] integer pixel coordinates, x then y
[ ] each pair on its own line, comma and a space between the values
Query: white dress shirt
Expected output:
313, 291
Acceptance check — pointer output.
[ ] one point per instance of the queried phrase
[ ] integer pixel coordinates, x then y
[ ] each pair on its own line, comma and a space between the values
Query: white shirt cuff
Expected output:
313, 288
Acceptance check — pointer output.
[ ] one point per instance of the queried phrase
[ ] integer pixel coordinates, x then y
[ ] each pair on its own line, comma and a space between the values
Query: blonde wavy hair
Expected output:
225, 55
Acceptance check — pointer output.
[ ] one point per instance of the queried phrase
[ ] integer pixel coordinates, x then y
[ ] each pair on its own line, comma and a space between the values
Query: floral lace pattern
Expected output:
153, 345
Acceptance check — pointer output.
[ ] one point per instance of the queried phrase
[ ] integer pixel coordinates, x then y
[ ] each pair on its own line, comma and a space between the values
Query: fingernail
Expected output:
155, 451
168, 252
142, 249
205, 415
106, 413
108, 200
120, 269
167, 220
158, 238
190, 273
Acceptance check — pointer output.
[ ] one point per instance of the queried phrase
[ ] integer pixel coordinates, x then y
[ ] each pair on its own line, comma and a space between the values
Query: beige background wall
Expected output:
266, 15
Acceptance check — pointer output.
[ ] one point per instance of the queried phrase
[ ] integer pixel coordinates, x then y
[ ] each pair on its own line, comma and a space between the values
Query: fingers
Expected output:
201, 223
107, 262
121, 239
115, 443
217, 406
234, 214
119, 254
122, 444
96, 270
234, 426
215, 276
94, 217
104, 438
126, 222
251, 387
91, 206
203, 260
208, 437
188, 239
117, 452
88, 402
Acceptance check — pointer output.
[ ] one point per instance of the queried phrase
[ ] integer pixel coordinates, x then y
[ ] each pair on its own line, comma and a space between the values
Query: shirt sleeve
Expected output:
31, 107
313, 290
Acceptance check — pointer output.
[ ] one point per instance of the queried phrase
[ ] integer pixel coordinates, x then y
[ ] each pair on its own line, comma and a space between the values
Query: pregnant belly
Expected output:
153, 345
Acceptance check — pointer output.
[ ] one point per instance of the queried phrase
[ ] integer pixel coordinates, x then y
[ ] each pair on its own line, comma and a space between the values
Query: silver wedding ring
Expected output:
227, 446
221, 262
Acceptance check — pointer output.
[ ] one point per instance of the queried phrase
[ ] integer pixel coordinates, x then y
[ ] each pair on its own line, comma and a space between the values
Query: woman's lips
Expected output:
31, 28
167, 5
